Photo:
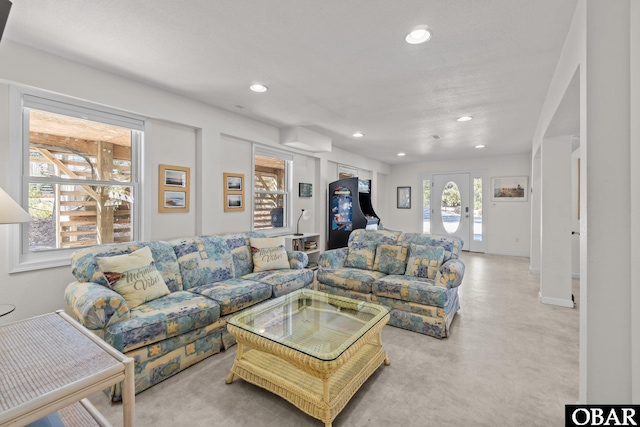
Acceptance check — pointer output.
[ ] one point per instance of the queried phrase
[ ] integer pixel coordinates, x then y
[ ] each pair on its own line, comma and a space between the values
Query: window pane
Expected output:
270, 173
268, 211
477, 209
70, 148
426, 208
451, 207
67, 216
271, 193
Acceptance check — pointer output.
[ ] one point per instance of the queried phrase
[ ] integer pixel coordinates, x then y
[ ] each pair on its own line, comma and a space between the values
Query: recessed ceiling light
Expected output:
401, 154
257, 87
464, 118
418, 35
480, 146
358, 135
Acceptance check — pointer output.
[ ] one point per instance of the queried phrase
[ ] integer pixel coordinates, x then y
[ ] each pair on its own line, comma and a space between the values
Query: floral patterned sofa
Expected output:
208, 278
415, 275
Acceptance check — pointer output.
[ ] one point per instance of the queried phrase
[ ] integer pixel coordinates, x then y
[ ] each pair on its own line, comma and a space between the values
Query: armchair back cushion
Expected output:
376, 236
391, 259
452, 245
361, 255
424, 261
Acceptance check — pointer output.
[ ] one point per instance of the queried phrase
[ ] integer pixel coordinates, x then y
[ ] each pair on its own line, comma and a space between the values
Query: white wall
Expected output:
182, 131
163, 137
506, 224
602, 44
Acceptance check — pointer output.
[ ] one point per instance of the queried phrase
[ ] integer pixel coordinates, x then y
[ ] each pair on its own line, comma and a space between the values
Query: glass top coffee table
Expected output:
311, 348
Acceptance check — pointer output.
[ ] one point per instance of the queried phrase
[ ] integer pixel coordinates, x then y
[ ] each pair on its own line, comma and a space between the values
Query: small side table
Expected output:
52, 363
6, 309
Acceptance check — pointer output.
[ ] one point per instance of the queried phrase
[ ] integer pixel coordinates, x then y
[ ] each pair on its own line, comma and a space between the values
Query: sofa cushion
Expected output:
203, 260
235, 294
452, 245
241, 251
134, 276
411, 289
353, 279
162, 318
283, 281
391, 259
361, 255
424, 261
86, 269
269, 254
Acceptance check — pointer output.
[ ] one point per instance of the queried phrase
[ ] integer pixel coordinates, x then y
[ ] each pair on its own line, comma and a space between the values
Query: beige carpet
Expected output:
510, 361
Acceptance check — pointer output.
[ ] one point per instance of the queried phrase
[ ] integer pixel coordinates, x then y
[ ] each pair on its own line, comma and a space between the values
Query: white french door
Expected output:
451, 212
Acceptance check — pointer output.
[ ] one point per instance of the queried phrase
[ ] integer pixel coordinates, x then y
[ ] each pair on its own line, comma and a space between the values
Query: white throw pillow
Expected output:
269, 254
134, 276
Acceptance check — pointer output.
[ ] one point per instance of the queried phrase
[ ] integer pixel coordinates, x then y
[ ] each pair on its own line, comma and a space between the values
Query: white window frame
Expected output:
262, 150
21, 259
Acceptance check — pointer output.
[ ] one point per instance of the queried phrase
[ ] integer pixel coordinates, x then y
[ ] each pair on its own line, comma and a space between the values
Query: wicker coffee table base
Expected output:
319, 388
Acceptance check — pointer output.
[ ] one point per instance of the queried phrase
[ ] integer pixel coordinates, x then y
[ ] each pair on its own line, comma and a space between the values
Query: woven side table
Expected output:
52, 363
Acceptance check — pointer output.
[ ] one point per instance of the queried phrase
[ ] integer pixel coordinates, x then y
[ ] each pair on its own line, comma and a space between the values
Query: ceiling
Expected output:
333, 66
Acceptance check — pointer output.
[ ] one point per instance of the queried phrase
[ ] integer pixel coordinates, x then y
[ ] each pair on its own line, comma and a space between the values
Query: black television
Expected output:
5, 7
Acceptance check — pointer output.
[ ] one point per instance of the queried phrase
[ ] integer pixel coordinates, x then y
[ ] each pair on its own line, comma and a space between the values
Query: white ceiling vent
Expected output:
304, 139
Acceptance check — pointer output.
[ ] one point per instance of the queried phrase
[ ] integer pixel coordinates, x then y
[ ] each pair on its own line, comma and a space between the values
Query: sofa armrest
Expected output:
95, 306
297, 259
333, 258
450, 273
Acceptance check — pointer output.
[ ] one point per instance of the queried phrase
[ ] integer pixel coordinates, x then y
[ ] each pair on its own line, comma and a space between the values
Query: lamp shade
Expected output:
10, 211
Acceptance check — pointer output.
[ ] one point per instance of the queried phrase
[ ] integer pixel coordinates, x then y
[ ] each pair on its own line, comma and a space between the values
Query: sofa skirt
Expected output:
432, 321
159, 361
344, 292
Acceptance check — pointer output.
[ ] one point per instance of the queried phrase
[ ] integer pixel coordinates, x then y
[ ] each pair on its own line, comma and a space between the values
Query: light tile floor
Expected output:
510, 361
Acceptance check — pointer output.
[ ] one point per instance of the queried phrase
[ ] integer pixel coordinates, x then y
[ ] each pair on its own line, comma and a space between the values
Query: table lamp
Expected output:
305, 215
10, 211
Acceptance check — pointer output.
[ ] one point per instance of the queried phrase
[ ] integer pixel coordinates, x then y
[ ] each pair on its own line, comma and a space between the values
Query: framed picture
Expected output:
234, 182
174, 199
173, 188
234, 202
305, 189
510, 189
404, 198
233, 192
175, 178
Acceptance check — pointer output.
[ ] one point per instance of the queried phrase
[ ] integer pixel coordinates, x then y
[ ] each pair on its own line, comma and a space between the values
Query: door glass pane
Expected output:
477, 209
450, 207
426, 208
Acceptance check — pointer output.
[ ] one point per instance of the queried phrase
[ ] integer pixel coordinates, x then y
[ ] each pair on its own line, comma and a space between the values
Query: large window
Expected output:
79, 178
272, 192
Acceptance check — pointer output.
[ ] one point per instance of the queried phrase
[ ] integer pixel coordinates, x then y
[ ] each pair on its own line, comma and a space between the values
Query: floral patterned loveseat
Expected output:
415, 275
208, 277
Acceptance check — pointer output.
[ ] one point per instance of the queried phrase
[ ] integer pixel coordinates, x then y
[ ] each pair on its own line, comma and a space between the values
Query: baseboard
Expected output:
556, 301
509, 254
